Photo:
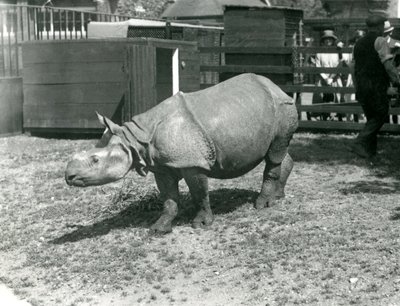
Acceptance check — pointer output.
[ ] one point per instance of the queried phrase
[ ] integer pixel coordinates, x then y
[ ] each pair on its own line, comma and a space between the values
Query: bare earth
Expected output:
334, 240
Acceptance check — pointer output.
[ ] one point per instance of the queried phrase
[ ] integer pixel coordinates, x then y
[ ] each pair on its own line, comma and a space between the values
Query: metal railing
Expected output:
20, 23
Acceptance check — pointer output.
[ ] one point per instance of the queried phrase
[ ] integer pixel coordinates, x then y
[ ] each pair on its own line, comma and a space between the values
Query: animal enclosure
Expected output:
66, 82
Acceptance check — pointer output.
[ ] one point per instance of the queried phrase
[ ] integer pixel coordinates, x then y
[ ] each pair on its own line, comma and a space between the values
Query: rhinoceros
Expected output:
220, 132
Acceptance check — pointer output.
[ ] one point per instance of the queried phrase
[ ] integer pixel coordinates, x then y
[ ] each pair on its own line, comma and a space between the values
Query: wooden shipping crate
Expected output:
66, 82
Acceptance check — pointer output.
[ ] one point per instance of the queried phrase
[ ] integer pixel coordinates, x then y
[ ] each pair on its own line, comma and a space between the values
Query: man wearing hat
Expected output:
373, 71
330, 60
394, 47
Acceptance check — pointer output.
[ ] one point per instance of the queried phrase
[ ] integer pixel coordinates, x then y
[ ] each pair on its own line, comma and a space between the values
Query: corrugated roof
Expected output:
197, 8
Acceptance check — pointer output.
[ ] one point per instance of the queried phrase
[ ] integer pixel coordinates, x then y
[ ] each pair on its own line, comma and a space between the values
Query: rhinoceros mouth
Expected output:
74, 180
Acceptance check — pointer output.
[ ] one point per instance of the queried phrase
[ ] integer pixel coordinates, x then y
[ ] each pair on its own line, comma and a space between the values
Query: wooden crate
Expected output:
66, 82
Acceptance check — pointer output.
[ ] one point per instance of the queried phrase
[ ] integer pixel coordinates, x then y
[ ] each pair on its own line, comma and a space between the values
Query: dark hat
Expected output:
328, 34
375, 20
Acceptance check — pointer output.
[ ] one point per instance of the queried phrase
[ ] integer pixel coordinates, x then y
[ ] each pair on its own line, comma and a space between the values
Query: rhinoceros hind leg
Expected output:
169, 194
198, 186
270, 186
286, 169
278, 165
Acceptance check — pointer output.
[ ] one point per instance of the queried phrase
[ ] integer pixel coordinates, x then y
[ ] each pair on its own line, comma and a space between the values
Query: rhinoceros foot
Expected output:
203, 219
162, 226
270, 201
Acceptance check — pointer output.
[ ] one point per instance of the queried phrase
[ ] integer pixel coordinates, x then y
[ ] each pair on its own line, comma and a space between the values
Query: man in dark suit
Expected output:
373, 72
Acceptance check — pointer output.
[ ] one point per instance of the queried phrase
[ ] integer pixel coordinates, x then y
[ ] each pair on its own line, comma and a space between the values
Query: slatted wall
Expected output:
66, 82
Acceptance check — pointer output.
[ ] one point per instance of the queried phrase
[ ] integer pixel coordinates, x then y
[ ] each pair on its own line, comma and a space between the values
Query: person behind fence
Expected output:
373, 71
349, 82
329, 60
394, 45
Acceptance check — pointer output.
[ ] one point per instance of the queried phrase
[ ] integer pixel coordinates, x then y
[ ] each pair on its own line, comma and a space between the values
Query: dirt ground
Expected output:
334, 239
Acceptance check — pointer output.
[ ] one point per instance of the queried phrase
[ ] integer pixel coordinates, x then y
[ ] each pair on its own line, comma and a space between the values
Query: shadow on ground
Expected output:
396, 214
223, 201
331, 150
373, 187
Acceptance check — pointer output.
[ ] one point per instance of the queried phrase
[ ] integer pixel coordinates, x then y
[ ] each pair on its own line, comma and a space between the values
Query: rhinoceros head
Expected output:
110, 160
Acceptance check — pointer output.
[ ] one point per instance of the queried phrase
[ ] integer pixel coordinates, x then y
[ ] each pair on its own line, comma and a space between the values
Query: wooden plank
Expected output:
247, 68
272, 50
172, 44
91, 50
344, 126
321, 49
66, 115
60, 73
339, 108
72, 51
316, 89
318, 70
90, 93
273, 69
247, 50
328, 108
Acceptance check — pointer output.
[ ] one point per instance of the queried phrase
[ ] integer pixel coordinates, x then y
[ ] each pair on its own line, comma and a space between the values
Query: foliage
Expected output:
142, 8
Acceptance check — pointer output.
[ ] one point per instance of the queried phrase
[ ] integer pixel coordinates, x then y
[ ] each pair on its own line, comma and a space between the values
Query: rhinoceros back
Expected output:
229, 126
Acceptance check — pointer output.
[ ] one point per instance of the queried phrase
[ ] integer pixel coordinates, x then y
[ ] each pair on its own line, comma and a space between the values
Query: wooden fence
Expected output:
299, 70
19, 23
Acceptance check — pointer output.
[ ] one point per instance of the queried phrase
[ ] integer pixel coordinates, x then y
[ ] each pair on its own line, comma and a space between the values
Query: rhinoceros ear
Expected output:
114, 128
139, 133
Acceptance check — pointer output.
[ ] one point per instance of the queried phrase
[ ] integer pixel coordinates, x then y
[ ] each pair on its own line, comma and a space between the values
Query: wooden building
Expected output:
260, 27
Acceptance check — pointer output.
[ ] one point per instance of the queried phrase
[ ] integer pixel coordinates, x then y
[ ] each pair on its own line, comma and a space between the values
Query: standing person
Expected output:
393, 45
330, 60
373, 71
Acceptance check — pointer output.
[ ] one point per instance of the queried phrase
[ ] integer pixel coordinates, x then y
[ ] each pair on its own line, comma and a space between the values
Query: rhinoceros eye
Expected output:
95, 158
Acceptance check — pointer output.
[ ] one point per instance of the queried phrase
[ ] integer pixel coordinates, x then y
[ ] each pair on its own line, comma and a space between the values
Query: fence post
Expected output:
168, 33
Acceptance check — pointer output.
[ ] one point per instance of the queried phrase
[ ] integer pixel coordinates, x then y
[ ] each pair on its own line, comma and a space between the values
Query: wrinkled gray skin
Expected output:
220, 132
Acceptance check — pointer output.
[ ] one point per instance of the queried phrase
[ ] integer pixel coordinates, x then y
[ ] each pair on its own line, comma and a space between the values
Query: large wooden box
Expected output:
66, 82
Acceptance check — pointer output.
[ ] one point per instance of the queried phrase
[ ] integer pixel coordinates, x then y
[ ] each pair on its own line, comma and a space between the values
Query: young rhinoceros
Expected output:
220, 132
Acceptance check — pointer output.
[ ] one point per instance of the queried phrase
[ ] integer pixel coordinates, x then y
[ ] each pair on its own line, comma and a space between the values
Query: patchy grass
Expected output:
333, 240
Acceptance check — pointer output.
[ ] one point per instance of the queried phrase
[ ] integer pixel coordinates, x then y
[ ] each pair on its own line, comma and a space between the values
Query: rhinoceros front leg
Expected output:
169, 193
198, 186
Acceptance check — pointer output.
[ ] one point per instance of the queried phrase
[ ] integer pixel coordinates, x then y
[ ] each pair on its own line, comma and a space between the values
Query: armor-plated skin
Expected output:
220, 132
